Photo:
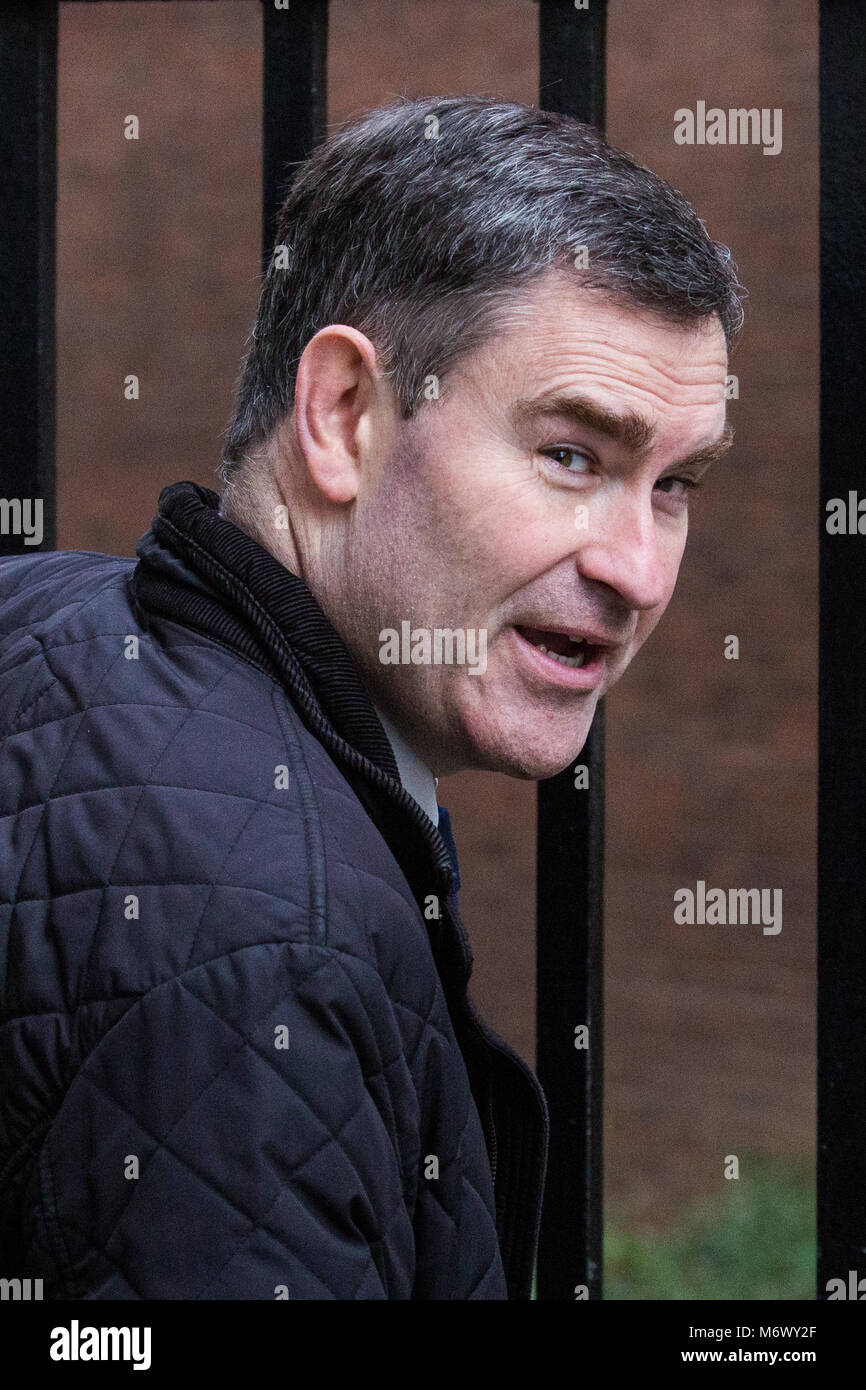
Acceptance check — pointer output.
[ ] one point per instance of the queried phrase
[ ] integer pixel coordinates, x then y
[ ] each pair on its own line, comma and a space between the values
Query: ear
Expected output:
334, 403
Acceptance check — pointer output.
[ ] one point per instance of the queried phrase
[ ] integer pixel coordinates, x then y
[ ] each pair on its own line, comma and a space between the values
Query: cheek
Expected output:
518, 552
672, 557
499, 522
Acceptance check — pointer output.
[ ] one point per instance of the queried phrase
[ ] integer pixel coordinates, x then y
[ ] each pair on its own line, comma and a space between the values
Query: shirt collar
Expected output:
414, 774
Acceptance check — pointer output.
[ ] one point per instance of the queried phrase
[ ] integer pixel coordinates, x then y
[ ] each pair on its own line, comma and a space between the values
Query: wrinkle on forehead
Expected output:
559, 334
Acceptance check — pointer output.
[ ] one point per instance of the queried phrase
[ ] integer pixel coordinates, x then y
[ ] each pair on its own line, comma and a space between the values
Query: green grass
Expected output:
756, 1240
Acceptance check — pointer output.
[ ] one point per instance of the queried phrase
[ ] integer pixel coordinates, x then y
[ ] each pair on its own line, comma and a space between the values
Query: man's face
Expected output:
499, 511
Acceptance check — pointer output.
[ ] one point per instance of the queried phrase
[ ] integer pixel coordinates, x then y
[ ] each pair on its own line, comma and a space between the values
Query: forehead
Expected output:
557, 336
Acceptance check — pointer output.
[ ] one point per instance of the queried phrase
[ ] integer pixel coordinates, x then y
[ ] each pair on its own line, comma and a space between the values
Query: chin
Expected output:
509, 751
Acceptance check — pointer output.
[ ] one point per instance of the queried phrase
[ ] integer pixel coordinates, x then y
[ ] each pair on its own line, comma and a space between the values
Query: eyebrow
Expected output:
629, 429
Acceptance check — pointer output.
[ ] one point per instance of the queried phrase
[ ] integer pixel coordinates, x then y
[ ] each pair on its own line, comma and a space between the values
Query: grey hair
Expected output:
418, 222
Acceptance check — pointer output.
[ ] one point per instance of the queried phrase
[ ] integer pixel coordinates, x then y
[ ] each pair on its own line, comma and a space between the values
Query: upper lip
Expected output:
594, 639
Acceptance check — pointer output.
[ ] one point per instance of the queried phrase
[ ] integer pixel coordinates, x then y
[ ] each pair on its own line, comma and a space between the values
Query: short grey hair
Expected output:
418, 222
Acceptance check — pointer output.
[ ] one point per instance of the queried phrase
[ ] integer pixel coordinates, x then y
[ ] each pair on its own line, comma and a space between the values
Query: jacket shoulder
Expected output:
49, 589
166, 767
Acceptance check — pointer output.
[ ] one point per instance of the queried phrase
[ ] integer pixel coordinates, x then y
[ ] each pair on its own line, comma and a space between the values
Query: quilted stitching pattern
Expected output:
165, 907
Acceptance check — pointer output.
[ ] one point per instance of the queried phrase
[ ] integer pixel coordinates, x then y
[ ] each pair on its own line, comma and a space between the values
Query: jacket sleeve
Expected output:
242, 1138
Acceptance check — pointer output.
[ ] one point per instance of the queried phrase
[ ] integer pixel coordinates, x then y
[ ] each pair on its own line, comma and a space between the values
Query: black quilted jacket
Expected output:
236, 1060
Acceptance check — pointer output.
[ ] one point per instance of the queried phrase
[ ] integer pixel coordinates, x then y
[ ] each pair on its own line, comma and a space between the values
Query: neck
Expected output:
254, 502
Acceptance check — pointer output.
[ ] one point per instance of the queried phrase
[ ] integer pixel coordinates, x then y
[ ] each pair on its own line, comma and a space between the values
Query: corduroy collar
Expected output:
198, 568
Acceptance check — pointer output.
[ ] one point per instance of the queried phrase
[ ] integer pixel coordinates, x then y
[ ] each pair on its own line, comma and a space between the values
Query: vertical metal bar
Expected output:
841, 1168
28, 158
294, 99
570, 868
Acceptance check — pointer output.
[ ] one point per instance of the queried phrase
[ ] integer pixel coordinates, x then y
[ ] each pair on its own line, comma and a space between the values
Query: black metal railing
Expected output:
570, 856
841, 1179
28, 161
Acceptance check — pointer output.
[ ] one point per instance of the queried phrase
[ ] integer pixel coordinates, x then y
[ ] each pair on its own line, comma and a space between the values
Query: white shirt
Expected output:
414, 774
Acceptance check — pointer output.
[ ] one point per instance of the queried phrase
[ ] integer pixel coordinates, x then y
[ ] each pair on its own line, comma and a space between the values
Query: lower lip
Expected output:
586, 677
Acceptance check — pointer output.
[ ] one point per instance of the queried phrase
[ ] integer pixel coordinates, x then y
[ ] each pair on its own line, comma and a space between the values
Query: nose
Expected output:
622, 550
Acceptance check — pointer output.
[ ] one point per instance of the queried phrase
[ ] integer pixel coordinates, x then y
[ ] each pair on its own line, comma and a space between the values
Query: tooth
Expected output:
542, 648
572, 662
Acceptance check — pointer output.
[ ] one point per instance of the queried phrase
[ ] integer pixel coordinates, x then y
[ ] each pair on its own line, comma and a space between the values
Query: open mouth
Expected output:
572, 652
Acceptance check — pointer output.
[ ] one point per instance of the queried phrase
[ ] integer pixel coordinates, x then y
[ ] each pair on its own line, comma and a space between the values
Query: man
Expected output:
240, 1059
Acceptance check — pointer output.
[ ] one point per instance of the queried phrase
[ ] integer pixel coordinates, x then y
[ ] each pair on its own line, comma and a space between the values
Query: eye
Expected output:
683, 485
569, 453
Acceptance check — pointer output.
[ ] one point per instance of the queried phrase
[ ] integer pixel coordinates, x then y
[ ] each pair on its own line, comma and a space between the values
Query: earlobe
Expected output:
332, 397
